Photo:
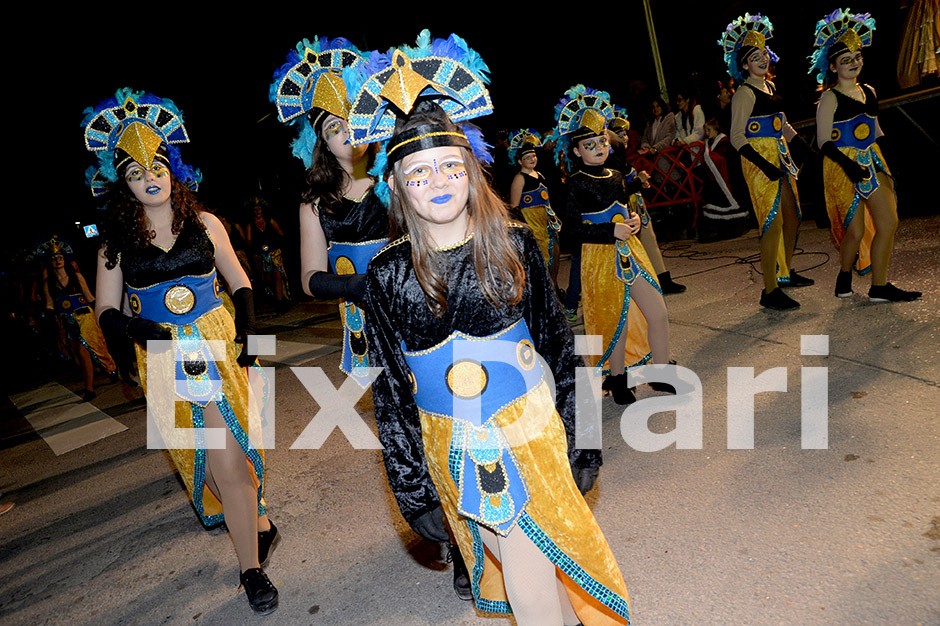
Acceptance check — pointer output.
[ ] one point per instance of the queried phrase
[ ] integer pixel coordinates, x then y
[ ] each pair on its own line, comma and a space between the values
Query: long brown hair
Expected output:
325, 178
125, 223
495, 257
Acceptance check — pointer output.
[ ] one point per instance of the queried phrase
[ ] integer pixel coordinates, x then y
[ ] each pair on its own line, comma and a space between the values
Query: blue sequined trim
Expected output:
199, 459
489, 606
621, 324
572, 570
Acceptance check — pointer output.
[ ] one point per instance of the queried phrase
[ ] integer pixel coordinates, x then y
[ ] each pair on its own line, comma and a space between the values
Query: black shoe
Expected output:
88, 396
461, 576
113, 376
267, 542
668, 285
126, 377
799, 281
778, 300
662, 388
617, 386
890, 293
844, 284
262, 594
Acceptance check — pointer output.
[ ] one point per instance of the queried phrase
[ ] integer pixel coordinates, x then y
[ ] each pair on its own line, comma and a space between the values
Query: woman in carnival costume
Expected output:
264, 236
621, 298
855, 173
619, 125
343, 219
162, 251
462, 308
530, 193
343, 214
760, 133
67, 294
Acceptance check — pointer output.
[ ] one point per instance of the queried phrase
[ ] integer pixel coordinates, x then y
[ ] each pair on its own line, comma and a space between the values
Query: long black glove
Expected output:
584, 477
748, 152
244, 302
346, 286
800, 149
117, 324
431, 526
853, 170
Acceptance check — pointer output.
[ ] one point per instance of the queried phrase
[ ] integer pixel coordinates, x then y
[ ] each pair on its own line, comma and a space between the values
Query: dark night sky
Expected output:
217, 68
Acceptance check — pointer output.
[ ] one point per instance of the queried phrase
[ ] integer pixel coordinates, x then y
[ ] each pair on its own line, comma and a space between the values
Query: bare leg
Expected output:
227, 474
651, 245
769, 242
535, 594
653, 306
84, 361
851, 240
884, 213
791, 221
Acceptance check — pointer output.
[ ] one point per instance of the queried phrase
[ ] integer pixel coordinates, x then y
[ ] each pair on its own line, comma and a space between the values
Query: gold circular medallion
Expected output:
217, 284
778, 123
66, 305
617, 218
527, 199
345, 266
179, 299
862, 131
525, 353
467, 379
134, 302
544, 194
754, 127
836, 133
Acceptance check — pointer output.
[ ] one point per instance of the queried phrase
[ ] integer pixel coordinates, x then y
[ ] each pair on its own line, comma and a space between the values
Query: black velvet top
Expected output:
764, 103
398, 312
592, 189
848, 107
355, 222
192, 254
531, 183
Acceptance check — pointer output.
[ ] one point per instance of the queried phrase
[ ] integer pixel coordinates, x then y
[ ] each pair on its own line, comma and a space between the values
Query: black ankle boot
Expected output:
617, 386
461, 576
262, 594
668, 285
778, 300
844, 284
267, 542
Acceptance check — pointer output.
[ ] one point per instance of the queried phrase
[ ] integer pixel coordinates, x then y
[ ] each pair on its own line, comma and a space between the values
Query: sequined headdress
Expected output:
581, 113
313, 81
618, 120
743, 35
445, 71
144, 127
523, 142
53, 245
837, 33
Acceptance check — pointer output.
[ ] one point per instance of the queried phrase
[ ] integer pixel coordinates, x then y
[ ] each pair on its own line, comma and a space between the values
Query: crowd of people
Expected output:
446, 279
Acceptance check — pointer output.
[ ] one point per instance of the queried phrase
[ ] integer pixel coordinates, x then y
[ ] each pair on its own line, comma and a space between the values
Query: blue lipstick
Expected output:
441, 199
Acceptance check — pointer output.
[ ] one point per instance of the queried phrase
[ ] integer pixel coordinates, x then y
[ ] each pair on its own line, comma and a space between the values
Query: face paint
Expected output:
420, 175
594, 143
334, 128
136, 172
850, 59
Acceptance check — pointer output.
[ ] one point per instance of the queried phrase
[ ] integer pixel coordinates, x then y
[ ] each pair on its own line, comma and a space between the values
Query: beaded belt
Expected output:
178, 302
859, 133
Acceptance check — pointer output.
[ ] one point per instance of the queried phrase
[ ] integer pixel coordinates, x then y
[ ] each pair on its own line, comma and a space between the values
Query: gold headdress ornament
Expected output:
581, 113
838, 33
750, 31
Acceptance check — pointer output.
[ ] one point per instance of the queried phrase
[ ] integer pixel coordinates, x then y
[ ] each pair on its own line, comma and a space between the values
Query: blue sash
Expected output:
179, 302
625, 264
859, 133
470, 380
353, 258
772, 126
71, 304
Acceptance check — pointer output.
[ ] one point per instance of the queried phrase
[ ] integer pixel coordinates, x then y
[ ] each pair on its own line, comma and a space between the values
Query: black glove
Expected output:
244, 302
748, 152
141, 330
800, 149
346, 286
853, 170
584, 477
431, 526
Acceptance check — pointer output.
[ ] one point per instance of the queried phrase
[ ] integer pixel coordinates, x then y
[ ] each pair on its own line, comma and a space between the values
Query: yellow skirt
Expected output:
176, 418
92, 339
765, 195
603, 296
537, 219
556, 519
842, 202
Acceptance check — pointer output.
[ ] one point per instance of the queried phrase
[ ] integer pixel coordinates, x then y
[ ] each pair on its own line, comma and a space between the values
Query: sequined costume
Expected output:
265, 243
764, 131
180, 283
537, 211
78, 319
853, 132
354, 223
430, 451
605, 295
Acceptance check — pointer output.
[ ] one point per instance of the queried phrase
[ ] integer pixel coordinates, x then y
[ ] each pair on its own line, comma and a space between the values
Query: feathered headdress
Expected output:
837, 33
742, 35
446, 71
522, 142
582, 112
143, 126
315, 77
53, 245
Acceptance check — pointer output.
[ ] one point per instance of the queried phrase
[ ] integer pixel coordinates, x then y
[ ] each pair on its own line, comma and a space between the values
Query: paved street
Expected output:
103, 533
